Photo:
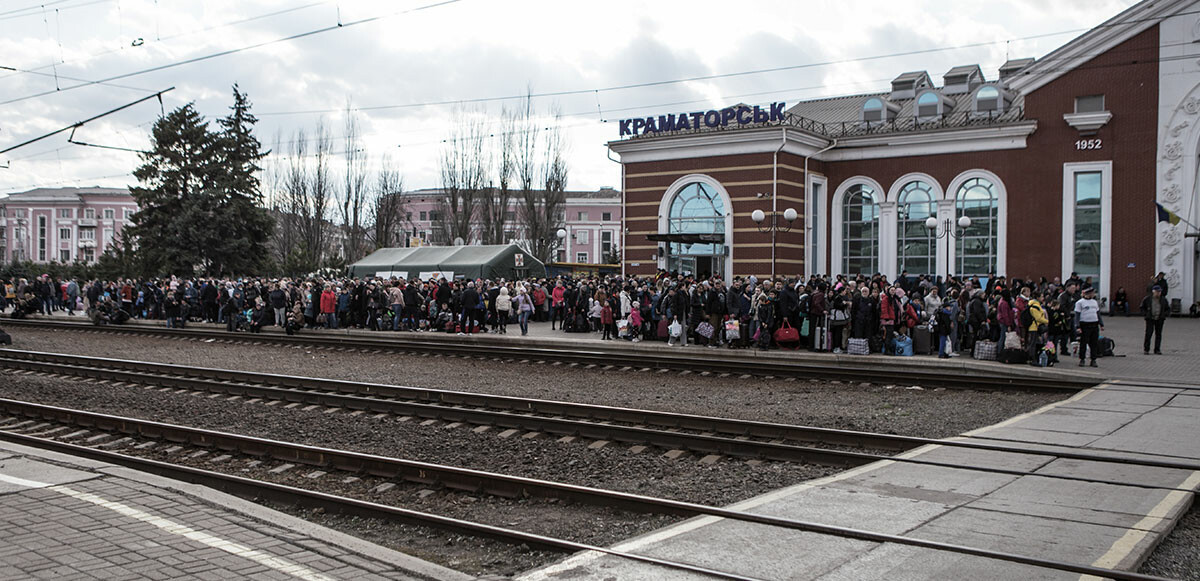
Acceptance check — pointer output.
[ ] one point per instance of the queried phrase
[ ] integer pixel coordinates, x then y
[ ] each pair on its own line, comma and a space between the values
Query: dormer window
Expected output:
990, 101
879, 110
873, 110
929, 105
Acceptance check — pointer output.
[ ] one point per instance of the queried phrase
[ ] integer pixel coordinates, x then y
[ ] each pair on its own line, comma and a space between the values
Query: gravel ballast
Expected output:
900, 409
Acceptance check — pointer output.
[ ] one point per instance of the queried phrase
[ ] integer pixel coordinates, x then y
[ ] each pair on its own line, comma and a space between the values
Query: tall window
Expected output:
41, 239
916, 252
696, 209
1087, 224
605, 243
64, 233
976, 250
860, 231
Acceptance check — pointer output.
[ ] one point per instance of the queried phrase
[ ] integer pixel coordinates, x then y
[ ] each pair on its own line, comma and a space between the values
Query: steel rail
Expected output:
367, 397
708, 361
258, 490
209, 438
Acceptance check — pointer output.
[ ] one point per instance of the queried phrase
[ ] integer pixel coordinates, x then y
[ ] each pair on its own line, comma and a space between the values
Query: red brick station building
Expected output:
1057, 162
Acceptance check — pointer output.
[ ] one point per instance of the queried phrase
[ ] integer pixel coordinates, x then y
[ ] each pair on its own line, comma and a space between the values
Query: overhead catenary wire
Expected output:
228, 52
85, 121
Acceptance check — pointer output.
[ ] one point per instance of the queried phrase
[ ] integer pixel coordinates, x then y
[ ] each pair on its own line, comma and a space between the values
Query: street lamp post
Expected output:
946, 229
562, 237
759, 217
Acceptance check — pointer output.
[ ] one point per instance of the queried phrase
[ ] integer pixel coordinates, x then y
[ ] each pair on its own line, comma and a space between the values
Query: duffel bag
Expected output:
985, 350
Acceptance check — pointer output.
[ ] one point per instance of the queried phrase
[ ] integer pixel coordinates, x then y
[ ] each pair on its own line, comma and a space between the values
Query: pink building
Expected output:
592, 220
62, 225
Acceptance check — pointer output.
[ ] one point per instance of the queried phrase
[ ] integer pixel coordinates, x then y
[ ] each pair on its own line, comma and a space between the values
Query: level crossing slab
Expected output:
1115, 523
63, 517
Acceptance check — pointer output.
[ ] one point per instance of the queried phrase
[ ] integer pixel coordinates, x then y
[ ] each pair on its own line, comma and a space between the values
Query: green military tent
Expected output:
507, 261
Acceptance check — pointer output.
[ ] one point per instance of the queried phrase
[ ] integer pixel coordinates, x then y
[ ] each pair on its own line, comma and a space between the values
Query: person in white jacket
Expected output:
503, 307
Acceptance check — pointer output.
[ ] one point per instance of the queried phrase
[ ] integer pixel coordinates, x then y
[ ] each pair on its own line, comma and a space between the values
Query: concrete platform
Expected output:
63, 517
1111, 525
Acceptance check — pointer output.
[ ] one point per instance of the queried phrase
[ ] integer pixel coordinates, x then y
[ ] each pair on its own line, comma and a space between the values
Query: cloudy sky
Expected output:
405, 70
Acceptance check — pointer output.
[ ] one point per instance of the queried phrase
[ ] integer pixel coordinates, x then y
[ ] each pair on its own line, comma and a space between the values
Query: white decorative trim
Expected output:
931, 142
1088, 122
1001, 217
717, 143
1068, 220
835, 219
664, 211
816, 221
935, 188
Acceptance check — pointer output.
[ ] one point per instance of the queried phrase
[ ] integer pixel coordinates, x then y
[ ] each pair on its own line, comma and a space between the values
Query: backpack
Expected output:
1107, 347
1026, 318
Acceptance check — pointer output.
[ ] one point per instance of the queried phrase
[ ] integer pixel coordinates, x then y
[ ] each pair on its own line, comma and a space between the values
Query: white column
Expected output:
946, 244
888, 234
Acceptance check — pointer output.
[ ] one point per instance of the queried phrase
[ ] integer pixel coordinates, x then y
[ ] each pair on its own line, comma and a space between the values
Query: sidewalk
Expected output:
63, 517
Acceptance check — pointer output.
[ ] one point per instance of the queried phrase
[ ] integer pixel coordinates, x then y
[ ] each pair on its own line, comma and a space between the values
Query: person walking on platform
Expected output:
1089, 324
1155, 310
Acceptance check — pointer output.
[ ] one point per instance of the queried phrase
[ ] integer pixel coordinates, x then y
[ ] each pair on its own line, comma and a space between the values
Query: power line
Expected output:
193, 60
179, 34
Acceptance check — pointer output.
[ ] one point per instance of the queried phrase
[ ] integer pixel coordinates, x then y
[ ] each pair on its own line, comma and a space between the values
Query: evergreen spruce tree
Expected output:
176, 176
200, 203
243, 226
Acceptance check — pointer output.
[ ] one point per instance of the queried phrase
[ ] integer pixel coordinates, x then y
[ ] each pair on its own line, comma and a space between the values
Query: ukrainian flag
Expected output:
1165, 215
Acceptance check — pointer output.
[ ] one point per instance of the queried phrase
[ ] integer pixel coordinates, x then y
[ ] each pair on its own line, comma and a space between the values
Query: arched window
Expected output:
928, 105
916, 252
697, 209
860, 231
987, 100
873, 109
976, 251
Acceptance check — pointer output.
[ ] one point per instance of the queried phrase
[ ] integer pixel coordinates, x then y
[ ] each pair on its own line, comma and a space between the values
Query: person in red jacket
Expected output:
539, 303
607, 322
558, 309
329, 307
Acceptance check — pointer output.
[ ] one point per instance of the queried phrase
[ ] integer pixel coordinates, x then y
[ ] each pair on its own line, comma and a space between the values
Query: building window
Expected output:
64, 256
605, 244
41, 238
434, 216
987, 99
873, 110
510, 235
583, 216
697, 209
408, 216
64, 233
916, 252
1089, 104
562, 256
19, 214
89, 255
87, 233
89, 213
424, 216
126, 213
581, 257
108, 238
108, 213
1087, 224
581, 236
860, 231
928, 105
510, 216
65, 213
976, 248
606, 216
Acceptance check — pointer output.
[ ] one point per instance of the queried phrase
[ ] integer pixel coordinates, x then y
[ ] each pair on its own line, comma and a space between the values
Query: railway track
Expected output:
700, 434
66, 430
718, 362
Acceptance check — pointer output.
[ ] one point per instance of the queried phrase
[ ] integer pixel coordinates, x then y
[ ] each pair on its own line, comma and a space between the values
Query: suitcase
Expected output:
859, 347
922, 341
663, 330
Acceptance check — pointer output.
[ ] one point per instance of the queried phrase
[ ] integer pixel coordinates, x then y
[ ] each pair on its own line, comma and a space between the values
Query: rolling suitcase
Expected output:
922, 341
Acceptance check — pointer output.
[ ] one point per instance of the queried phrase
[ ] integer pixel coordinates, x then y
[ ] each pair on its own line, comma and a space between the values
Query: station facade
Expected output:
1056, 162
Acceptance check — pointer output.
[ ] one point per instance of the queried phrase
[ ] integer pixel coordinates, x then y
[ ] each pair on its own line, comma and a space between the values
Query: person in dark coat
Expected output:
470, 303
863, 314
1155, 309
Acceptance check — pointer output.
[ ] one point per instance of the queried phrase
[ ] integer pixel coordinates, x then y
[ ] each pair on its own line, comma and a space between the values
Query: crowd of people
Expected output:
1010, 319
